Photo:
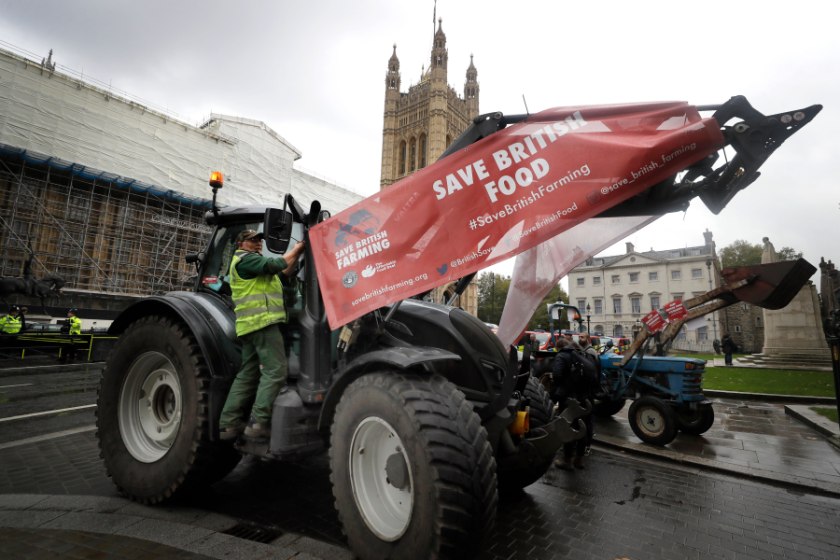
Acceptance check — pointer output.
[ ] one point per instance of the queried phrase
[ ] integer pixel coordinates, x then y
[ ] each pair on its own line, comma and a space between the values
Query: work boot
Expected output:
231, 433
563, 463
258, 431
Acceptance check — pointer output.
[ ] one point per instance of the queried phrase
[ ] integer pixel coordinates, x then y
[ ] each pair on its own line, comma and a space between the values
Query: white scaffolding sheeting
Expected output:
48, 112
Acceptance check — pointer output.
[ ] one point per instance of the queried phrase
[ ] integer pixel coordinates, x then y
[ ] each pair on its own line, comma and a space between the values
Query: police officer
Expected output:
74, 322
11, 323
258, 298
75, 328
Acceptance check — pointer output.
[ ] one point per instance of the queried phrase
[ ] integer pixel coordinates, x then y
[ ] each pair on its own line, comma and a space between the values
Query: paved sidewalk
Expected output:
43, 526
787, 445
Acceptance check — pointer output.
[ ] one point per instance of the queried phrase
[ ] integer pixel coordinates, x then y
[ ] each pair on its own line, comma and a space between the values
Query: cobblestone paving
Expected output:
622, 507
50, 544
619, 506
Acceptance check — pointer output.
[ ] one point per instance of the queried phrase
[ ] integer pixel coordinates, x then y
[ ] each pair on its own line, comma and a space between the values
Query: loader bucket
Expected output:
771, 285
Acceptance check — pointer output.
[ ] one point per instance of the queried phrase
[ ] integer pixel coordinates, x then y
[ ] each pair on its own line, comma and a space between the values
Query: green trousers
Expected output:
260, 378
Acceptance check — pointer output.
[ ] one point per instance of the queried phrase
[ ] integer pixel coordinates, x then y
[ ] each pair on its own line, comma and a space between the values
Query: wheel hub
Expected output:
652, 421
150, 407
381, 480
396, 471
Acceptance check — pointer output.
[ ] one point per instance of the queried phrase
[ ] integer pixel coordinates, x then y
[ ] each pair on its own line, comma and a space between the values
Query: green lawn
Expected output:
772, 381
830, 413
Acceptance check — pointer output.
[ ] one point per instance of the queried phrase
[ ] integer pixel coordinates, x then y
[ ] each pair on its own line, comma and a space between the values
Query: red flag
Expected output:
499, 197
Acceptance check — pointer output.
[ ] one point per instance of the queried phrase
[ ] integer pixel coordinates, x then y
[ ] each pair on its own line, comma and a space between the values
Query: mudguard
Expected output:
207, 317
400, 357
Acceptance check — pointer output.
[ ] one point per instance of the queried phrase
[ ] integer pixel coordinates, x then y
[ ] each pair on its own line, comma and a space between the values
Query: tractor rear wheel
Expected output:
151, 414
412, 471
605, 408
696, 422
652, 420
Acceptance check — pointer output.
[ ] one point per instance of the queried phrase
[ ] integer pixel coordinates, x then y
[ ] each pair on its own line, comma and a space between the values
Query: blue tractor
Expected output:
666, 391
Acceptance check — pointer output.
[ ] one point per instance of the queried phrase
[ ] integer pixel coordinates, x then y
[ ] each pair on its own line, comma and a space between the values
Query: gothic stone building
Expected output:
420, 124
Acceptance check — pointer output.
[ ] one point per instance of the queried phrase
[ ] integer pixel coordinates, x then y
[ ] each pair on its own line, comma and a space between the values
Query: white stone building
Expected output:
615, 292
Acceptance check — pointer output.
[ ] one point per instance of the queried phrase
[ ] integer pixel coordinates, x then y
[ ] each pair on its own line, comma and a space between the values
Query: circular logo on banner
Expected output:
349, 279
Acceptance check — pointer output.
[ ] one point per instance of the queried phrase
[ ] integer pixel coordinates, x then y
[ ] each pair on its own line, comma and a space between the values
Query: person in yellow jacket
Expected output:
11, 323
258, 299
74, 322
74, 325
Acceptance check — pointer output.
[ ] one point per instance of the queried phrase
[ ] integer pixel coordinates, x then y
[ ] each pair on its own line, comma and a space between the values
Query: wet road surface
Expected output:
619, 506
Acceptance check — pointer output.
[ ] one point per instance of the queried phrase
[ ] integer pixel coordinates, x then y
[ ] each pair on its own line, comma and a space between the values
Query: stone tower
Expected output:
419, 125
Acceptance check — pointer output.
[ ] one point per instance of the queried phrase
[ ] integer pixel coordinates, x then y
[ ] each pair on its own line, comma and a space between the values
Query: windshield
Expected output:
219, 254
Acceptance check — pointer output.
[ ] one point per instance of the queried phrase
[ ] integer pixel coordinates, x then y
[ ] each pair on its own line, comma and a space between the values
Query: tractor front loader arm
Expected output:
769, 286
753, 138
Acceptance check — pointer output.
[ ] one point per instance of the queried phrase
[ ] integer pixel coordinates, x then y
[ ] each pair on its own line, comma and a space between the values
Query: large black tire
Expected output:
412, 471
542, 411
151, 414
606, 408
696, 422
652, 420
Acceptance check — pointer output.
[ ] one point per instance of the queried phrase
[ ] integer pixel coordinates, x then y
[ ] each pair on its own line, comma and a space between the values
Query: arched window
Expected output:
618, 331
412, 154
422, 152
402, 158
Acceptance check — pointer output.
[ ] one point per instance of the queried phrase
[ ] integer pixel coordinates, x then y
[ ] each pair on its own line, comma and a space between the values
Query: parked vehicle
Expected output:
667, 392
43, 327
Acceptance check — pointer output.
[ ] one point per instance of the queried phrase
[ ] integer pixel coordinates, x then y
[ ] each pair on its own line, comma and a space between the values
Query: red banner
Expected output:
654, 321
499, 197
675, 310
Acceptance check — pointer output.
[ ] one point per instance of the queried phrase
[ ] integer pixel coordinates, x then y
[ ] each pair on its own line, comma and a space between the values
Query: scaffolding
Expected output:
98, 233
124, 230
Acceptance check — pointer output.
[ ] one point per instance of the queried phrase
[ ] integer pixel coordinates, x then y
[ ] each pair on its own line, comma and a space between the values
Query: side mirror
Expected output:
278, 229
193, 258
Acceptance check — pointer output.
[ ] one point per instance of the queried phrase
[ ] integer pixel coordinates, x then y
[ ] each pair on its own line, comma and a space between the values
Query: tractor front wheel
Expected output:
604, 408
652, 420
541, 414
412, 471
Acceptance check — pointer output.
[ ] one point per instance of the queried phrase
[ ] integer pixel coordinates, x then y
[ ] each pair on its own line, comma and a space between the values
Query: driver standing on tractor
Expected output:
258, 298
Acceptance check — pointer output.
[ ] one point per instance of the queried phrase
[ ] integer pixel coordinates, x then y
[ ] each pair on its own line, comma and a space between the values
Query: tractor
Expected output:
421, 409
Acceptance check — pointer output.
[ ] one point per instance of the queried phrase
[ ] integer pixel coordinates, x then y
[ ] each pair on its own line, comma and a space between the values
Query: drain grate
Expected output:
252, 532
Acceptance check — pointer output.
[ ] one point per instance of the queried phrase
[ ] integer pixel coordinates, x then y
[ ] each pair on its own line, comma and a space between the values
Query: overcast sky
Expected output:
315, 72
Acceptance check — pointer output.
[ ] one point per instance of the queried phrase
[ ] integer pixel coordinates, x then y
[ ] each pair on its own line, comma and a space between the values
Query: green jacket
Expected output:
256, 290
75, 325
9, 324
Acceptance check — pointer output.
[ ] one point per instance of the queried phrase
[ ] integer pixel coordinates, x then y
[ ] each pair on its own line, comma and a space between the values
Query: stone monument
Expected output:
793, 335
